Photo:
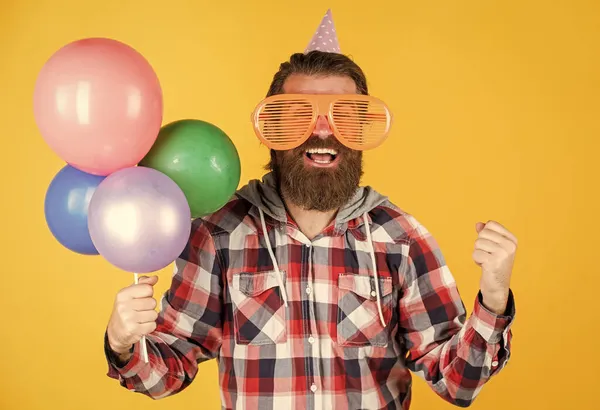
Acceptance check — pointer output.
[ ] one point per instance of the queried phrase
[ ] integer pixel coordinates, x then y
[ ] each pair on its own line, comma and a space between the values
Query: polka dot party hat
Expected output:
325, 38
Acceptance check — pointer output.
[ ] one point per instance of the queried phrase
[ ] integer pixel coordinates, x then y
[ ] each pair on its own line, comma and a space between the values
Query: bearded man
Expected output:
310, 290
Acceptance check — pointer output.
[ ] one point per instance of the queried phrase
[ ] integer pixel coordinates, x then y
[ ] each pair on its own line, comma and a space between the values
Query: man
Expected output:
313, 292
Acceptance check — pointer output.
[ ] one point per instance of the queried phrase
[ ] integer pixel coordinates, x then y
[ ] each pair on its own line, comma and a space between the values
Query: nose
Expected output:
322, 128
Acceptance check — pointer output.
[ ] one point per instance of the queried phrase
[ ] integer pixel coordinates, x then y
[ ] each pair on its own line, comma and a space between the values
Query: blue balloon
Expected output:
66, 208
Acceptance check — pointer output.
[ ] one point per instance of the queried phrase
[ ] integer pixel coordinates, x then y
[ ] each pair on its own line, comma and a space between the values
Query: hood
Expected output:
265, 196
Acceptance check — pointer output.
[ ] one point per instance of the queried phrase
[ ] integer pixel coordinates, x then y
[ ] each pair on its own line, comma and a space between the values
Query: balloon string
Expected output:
136, 280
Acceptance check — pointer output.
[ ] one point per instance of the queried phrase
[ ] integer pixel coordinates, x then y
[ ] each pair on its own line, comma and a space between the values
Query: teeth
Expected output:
322, 151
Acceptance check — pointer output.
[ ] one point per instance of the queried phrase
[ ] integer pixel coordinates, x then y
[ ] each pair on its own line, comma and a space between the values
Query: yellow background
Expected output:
497, 117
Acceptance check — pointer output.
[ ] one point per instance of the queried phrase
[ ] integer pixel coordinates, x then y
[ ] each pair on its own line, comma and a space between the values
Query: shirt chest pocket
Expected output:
258, 309
358, 322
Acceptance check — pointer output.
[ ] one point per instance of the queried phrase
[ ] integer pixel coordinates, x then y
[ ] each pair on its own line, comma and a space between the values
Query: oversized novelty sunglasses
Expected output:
286, 121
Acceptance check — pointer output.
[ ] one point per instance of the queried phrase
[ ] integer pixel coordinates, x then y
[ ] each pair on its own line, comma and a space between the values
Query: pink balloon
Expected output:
98, 104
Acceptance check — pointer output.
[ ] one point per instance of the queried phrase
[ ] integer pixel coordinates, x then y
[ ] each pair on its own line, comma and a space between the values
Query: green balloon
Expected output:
201, 159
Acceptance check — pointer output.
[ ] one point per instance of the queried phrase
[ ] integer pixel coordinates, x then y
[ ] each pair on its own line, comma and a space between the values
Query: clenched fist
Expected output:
495, 250
133, 315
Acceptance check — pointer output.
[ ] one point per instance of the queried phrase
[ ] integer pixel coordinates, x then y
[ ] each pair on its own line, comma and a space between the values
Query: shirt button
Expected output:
494, 363
313, 388
311, 340
308, 290
373, 293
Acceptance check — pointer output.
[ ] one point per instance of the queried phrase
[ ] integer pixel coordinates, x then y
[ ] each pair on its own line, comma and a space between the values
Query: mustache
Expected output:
315, 142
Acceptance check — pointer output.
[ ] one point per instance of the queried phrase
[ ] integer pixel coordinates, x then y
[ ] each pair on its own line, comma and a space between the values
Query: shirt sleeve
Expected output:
456, 356
189, 326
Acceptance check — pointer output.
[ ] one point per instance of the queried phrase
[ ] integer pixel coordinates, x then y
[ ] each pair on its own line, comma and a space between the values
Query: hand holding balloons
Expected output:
139, 220
98, 105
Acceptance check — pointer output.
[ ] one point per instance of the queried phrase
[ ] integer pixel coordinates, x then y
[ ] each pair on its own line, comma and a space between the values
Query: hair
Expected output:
319, 63
316, 63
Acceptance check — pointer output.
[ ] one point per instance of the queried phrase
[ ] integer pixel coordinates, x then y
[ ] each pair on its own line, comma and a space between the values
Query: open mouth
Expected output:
322, 156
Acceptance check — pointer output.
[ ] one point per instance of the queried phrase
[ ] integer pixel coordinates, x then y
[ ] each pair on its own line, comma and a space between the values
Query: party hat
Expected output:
325, 38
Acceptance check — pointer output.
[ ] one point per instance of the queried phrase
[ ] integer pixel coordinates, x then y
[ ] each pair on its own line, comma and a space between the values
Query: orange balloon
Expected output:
98, 104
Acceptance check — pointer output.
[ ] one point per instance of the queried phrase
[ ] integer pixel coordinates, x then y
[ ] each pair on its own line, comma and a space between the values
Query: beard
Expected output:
314, 188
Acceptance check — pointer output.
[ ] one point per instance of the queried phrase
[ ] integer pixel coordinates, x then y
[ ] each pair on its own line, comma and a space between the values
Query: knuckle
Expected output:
499, 254
127, 317
122, 295
122, 308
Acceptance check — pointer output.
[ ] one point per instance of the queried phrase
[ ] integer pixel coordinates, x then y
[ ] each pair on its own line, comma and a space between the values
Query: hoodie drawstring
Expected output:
371, 252
374, 266
275, 265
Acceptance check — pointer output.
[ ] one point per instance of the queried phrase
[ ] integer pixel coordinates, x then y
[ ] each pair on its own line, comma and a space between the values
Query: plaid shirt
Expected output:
327, 349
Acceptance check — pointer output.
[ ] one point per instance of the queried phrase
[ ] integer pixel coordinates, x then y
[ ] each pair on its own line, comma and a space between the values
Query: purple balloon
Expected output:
139, 219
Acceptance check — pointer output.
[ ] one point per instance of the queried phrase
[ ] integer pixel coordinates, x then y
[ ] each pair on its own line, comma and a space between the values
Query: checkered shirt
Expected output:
327, 349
